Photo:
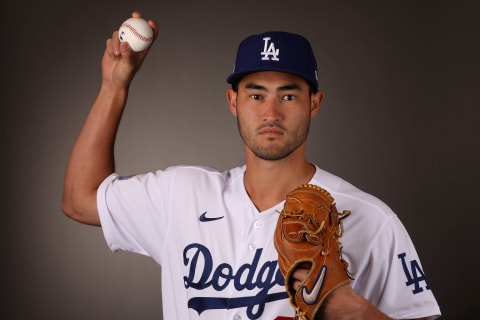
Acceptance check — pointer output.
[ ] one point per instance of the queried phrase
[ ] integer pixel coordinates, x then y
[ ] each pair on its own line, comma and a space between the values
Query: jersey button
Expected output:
257, 224
237, 317
251, 247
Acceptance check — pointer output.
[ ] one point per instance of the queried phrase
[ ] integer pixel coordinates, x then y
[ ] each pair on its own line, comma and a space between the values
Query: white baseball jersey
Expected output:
216, 249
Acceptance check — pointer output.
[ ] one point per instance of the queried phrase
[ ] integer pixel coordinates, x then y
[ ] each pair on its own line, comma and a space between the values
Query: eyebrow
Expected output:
288, 87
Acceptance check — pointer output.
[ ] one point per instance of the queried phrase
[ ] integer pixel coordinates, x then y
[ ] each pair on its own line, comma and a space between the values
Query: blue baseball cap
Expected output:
276, 51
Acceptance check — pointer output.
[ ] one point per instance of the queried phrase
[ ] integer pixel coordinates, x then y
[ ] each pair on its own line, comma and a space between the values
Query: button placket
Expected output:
257, 224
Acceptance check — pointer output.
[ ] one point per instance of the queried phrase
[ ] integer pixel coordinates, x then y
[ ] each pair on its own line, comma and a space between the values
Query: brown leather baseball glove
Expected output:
307, 236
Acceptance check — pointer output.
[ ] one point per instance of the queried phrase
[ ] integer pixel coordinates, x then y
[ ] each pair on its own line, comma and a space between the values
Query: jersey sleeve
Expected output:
133, 211
392, 277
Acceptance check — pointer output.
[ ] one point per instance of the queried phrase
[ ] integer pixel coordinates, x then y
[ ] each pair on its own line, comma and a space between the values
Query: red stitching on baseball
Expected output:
136, 33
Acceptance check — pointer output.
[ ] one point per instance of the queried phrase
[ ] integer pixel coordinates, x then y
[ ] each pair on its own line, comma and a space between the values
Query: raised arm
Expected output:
92, 156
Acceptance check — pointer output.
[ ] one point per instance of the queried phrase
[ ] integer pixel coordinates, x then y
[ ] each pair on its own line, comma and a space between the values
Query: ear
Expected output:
232, 101
315, 100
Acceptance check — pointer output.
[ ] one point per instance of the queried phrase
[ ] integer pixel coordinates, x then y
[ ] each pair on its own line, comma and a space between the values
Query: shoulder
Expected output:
195, 172
369, 214
371, 220
174, 177
349, 197
191, 177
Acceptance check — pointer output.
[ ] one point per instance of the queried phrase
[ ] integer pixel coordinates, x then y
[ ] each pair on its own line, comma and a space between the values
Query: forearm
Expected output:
344, 304
92, 156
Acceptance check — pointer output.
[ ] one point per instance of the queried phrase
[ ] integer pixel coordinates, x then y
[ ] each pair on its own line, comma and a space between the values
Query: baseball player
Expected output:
211, 231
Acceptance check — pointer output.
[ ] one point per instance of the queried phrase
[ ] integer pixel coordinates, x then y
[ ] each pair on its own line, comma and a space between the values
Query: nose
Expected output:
271, 111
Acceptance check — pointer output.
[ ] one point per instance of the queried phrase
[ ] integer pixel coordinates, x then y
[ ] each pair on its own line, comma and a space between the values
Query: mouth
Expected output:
270, 133
270, 130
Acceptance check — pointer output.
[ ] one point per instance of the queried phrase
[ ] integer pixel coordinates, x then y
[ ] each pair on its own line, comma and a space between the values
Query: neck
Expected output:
267, 182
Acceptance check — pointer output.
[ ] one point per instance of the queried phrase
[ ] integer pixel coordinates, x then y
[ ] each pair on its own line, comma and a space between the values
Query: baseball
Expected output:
137, 33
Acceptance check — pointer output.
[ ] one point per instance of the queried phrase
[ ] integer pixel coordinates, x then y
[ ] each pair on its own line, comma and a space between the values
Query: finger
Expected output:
126, 51
116, 39
110, 48
137, 14
113, 45
154, 27
296, 285
300, 274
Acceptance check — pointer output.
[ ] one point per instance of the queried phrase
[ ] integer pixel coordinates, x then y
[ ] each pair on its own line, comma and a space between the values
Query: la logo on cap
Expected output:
269, 51
261, 52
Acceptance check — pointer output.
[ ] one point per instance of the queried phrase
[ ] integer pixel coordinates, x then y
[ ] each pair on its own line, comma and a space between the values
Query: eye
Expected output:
289, 97
255, 96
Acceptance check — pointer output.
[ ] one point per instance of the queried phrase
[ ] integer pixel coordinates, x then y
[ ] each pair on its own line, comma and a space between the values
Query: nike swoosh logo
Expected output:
204, 218
312, 296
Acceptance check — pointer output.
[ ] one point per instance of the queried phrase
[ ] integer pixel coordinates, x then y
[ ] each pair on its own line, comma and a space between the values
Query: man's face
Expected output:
273, 111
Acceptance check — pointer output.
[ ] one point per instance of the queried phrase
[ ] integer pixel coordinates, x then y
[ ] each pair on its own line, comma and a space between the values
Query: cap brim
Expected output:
235, 77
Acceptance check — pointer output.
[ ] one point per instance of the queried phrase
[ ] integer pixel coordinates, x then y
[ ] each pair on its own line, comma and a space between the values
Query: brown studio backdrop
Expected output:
398, 120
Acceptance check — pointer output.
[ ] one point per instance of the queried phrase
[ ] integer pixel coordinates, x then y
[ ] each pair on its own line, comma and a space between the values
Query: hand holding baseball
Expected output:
137, 33
125, 52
